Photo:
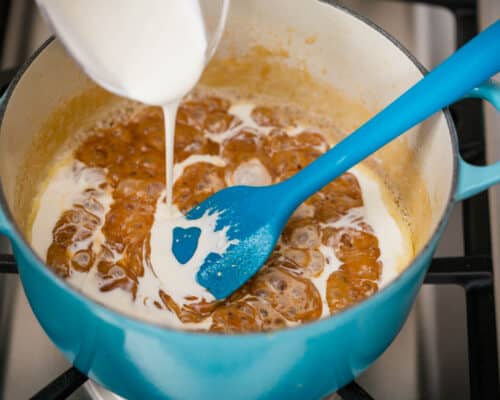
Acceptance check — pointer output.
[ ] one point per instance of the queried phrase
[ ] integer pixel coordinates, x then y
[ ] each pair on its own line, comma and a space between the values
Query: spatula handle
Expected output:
471, 65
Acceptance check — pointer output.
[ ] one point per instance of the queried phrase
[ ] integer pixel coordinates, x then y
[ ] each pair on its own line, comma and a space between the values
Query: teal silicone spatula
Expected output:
255, 216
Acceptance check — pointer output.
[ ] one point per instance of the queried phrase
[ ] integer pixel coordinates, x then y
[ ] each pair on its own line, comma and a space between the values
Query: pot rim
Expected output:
104, 312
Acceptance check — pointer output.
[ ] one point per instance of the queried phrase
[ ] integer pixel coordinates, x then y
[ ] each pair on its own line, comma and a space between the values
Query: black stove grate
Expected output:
4, 17
63, 386
474, 272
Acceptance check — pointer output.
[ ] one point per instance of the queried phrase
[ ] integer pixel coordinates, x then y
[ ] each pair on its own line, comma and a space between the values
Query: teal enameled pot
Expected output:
140, 360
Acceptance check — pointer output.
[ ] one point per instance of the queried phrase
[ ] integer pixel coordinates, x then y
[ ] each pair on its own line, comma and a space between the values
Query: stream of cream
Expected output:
157, 61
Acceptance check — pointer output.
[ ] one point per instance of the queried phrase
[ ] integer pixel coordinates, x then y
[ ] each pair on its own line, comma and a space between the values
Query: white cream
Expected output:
179, 280
395, 249
193, 159
141, 308
163, 271
66, 187
332, 264
243, 113
169, 114
250, 173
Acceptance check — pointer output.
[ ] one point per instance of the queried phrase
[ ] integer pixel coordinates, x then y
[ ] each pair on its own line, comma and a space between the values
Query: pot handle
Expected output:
473, 179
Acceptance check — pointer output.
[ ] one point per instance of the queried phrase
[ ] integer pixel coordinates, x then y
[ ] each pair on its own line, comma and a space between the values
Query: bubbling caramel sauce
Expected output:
327, 259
